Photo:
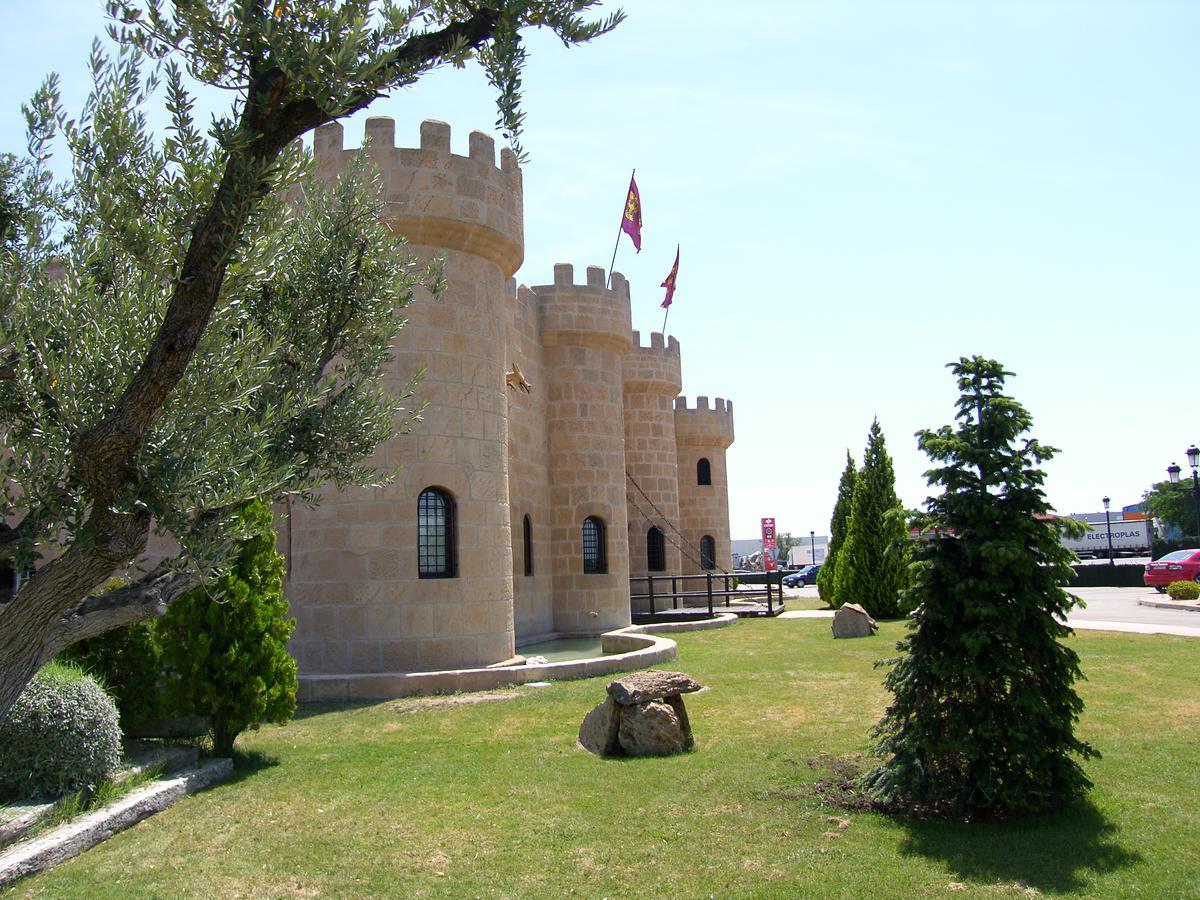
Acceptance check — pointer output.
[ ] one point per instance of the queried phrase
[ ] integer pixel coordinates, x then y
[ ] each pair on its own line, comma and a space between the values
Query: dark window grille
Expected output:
435, 535
708, 552
656, 550
703, 471
595, 559
528, 547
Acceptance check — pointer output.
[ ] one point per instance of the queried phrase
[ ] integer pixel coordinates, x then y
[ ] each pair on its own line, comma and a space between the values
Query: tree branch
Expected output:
146, 598
104, 456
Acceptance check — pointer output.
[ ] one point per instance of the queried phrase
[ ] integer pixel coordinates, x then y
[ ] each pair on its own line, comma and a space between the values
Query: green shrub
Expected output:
1183, 590
227, 644
60, 736
128, 661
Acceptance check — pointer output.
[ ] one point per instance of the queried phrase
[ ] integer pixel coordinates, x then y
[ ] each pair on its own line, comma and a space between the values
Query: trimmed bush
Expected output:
1183, 590
59, 737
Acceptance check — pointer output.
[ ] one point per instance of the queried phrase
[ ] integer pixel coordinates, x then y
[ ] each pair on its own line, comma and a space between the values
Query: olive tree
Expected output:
166, 354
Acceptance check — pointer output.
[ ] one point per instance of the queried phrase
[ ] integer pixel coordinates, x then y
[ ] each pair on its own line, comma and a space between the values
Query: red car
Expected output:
1182, 565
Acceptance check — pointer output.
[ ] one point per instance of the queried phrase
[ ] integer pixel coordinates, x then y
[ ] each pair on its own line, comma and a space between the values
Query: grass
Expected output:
493, 799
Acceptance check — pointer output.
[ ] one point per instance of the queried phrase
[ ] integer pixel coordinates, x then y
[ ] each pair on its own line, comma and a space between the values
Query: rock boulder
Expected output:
650, 729
598, 733
853, 621
641, 687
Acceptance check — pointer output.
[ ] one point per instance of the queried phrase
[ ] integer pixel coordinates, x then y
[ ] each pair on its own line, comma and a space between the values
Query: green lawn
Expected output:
494, 799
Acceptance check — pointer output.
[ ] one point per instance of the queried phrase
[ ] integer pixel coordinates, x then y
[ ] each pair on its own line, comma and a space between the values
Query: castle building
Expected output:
554, 461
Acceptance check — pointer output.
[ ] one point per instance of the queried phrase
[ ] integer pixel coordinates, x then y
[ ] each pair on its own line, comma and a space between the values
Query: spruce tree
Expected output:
982, 720
871, 569
837, 532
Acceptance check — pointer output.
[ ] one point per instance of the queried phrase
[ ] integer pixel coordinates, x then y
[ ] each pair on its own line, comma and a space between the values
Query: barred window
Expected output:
436, 537
595, 559
656, 550
703, 471
528, 546
708, 552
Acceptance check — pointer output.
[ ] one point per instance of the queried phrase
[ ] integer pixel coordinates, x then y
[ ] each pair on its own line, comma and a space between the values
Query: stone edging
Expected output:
72, 838
627, 650
1170, 604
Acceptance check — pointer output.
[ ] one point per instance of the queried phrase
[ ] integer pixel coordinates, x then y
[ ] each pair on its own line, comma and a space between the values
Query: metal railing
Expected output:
717, 587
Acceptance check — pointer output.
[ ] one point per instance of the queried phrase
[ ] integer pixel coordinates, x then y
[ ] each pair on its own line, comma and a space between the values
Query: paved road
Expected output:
1110, 609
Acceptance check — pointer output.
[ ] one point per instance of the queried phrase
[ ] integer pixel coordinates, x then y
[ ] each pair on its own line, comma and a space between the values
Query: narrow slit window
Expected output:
708, 552
528, 542
703, 471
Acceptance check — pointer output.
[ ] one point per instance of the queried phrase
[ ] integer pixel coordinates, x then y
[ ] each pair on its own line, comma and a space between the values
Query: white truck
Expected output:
1129, 538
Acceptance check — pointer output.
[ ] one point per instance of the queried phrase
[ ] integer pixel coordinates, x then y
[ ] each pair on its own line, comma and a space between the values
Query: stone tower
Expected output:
355, 589
702, 436
585, 333
652, 380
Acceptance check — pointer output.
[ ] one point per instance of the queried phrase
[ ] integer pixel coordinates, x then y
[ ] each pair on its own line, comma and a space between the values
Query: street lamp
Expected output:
1108, 525
1193, 456
812, 545
1173, 470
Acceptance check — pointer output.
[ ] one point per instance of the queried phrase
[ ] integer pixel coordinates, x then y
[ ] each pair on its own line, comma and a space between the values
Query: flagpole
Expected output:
608, 281
665, 314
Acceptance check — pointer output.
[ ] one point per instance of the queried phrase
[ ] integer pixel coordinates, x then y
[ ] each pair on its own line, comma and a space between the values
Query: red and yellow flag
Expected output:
631, 219
669, 284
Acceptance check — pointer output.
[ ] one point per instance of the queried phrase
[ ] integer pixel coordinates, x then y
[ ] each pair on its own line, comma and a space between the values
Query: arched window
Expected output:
656, 550
595, 559
708, 552
703, 471
436, 538
528, 547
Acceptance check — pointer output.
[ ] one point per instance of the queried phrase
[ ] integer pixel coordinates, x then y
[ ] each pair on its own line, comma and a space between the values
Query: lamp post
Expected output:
812, 545
1193, 457
1108, 525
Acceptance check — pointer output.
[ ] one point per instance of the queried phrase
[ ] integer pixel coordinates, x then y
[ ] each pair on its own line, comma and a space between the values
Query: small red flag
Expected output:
631, 220
669, 284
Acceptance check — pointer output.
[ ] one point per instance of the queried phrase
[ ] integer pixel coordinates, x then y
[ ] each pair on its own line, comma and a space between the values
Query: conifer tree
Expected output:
227, 645
982, 720
871, 570
837, 532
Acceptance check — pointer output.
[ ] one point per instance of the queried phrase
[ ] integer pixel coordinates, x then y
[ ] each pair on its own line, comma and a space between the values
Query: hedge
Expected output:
1103, 575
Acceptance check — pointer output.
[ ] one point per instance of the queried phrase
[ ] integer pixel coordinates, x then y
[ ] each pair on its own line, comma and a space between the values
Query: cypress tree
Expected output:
228, 648
837, 532
871, 570
982, 719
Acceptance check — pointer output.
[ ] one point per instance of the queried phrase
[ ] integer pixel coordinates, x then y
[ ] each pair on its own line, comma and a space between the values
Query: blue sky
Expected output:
862, 192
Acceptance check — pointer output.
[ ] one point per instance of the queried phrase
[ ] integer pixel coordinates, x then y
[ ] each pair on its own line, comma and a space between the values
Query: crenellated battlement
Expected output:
587, 314
702, 425
653, 368
437, 198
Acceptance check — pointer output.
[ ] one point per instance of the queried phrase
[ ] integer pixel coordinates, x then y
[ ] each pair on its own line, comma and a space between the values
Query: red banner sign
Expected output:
768, 543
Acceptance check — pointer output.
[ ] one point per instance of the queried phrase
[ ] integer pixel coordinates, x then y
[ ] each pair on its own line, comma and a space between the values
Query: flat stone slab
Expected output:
642, 687
72, 838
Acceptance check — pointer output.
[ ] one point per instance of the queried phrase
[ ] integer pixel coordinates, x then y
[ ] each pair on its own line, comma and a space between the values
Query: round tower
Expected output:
371, 596
651, 381
585, 330
703, 435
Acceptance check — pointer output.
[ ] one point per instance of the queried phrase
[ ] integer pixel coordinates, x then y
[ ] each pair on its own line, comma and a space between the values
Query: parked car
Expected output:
807, 575
1182, 565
